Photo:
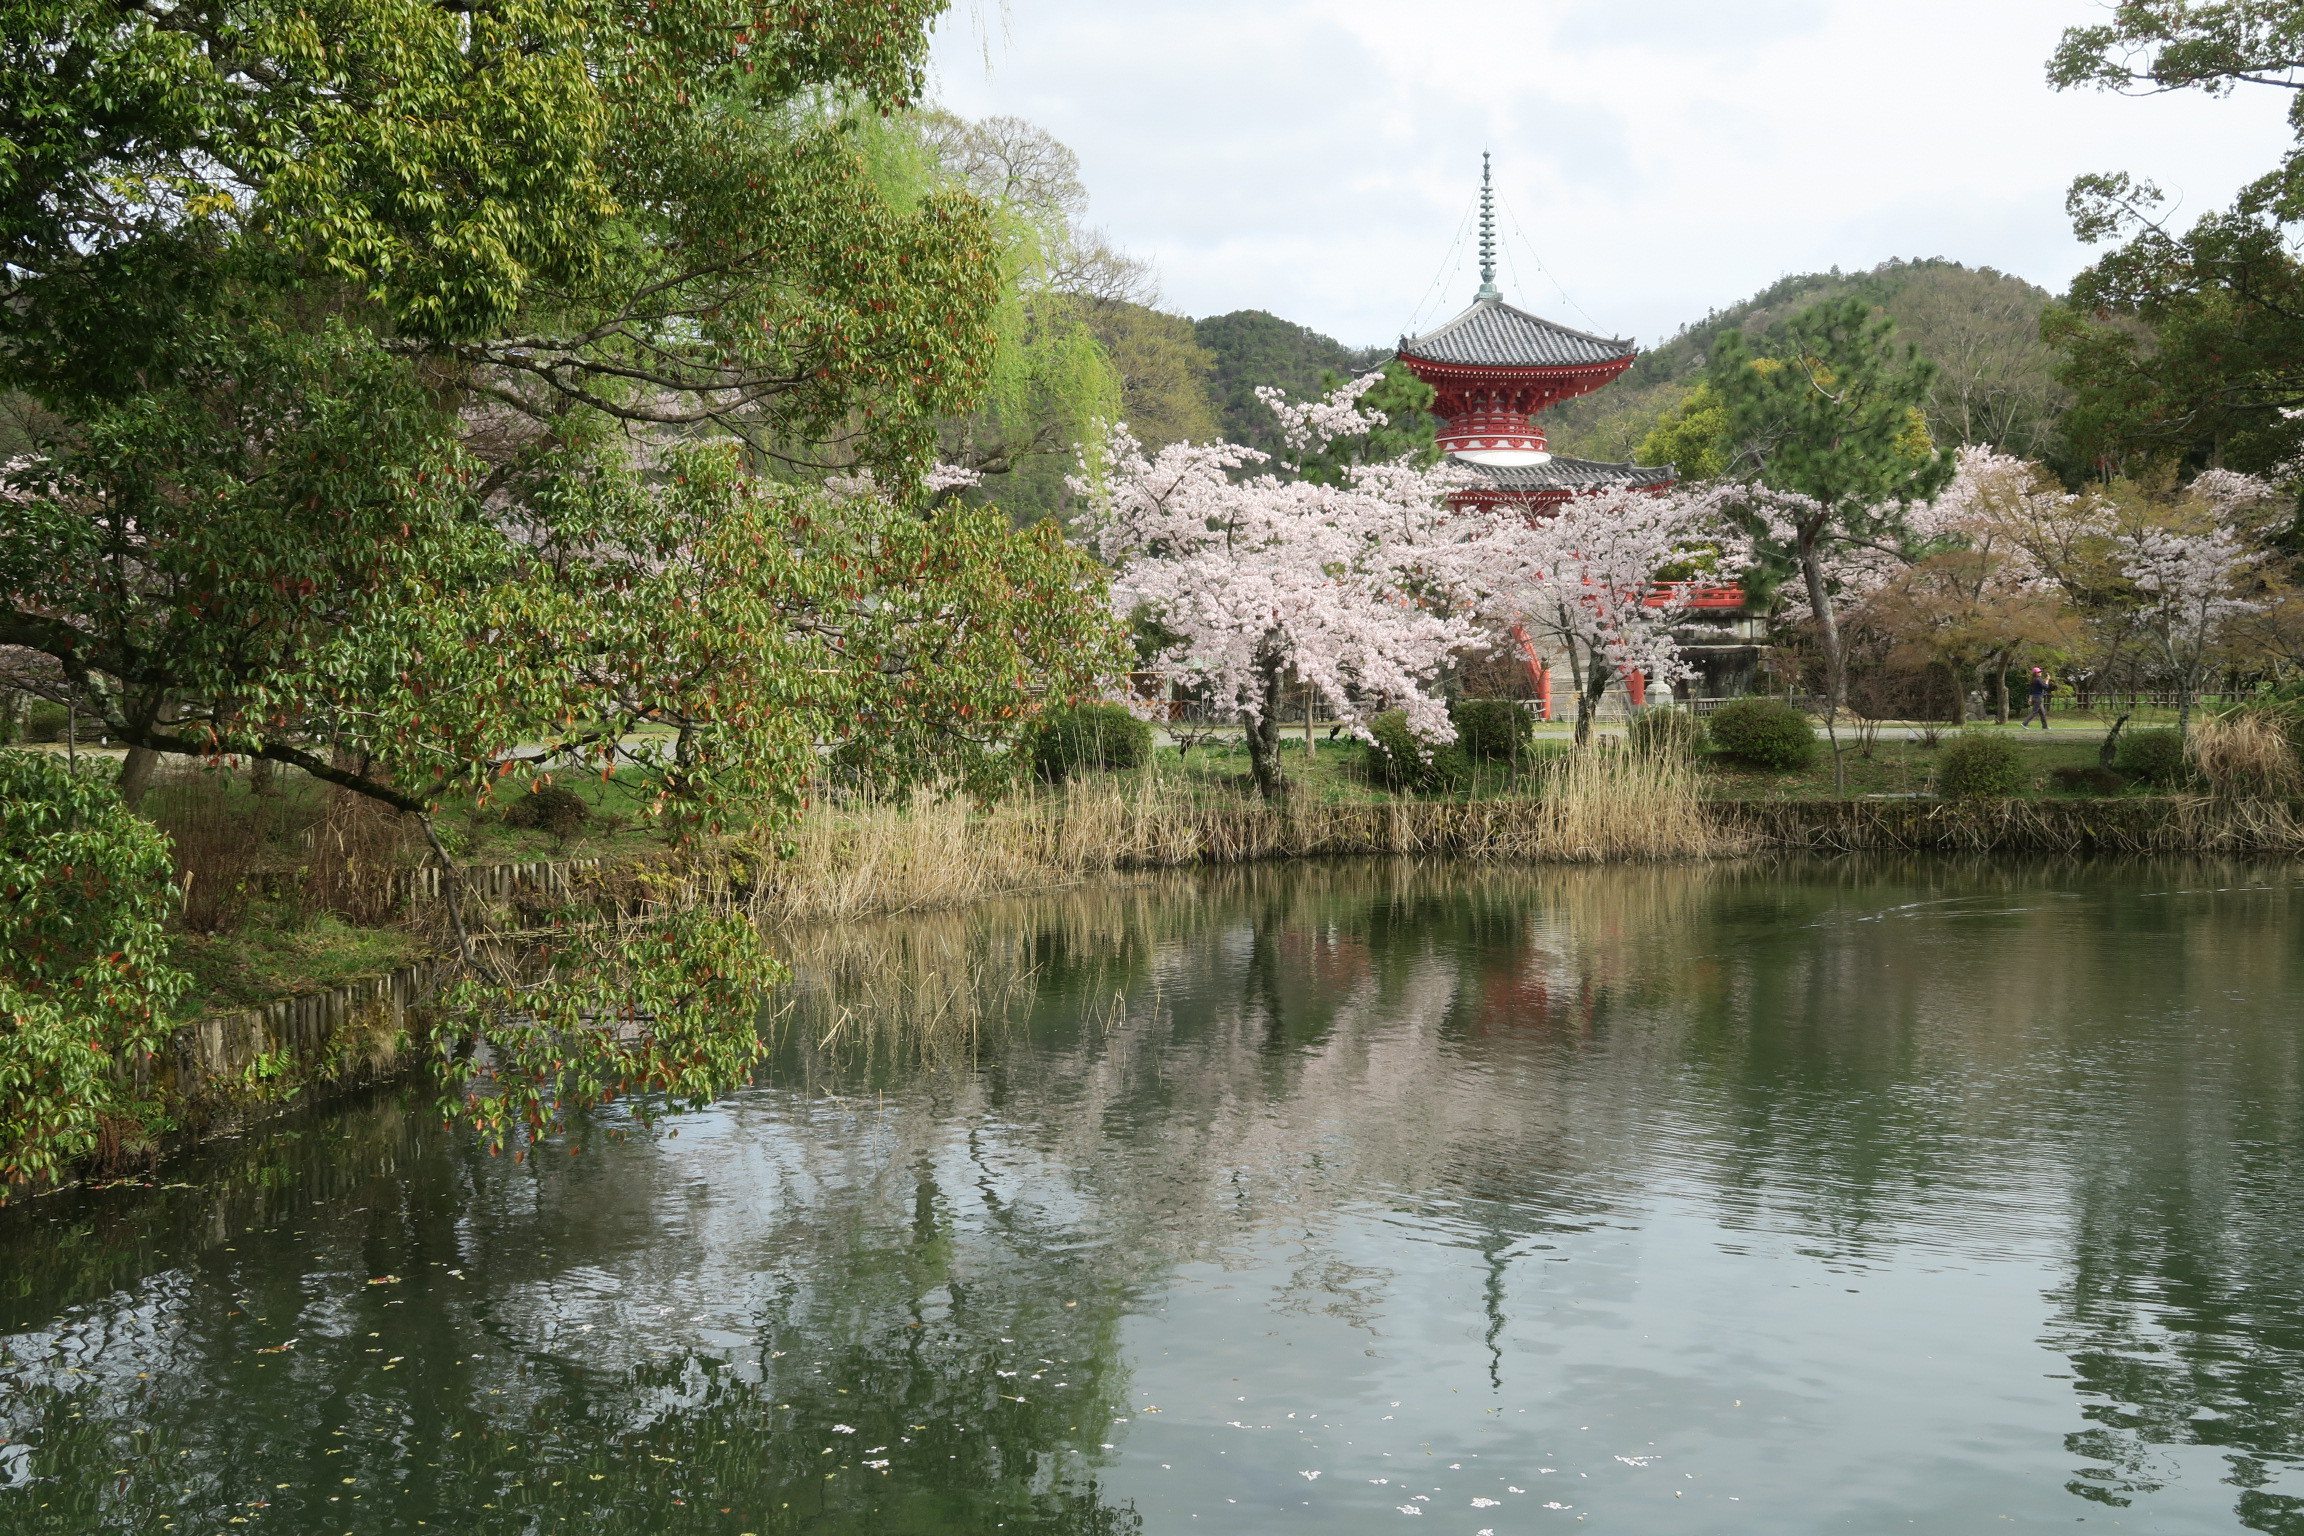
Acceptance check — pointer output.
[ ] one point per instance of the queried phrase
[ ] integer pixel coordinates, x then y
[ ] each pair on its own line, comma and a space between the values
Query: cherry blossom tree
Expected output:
2187, 582
1585, 578
1965, 590
1257, 577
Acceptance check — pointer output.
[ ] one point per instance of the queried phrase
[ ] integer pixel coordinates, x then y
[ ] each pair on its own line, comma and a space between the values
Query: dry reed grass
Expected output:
359, 848
933, 851
1613, 806
2139, 825
213, 846
2245, 756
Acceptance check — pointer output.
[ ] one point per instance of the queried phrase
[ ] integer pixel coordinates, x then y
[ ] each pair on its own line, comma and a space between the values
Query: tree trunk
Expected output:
136, 775
1592, 687
2000, 689
260, 776
1959, 693
1263, 726
1835, 665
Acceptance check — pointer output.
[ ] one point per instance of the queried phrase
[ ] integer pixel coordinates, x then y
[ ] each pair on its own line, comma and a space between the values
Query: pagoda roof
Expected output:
1562, 475
1493, 334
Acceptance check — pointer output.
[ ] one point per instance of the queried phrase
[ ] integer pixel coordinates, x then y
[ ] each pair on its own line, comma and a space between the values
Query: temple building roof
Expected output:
1493, 334
1560, 475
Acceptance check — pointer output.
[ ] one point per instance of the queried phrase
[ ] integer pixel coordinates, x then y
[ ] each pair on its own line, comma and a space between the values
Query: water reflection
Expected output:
1911, 1194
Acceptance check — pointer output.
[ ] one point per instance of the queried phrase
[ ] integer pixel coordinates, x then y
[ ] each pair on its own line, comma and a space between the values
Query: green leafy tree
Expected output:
85, 983
2187, 347
1826, 426
1691, 436
410, 380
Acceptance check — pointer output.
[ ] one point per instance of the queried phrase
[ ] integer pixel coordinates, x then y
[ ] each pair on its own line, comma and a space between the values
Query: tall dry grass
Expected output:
1606, 805
2246, 756
358, 849
933, 851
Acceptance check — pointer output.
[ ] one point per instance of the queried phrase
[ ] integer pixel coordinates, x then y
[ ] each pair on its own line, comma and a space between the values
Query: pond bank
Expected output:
230, 1069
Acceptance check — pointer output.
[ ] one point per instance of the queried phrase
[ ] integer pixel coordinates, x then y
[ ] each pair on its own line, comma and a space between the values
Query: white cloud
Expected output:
1659, 157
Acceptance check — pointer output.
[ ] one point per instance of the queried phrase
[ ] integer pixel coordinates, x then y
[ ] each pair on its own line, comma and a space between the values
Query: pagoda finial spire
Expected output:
1488, 288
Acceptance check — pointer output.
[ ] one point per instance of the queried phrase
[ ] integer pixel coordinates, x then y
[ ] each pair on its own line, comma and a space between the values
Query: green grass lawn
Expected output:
278, 951
1896, 768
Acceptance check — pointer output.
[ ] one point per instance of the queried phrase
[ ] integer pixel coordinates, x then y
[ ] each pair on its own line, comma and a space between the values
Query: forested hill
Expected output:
1981, 328
1251, 348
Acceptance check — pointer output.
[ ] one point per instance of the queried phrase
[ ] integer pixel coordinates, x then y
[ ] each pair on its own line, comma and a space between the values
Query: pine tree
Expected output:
1825, 425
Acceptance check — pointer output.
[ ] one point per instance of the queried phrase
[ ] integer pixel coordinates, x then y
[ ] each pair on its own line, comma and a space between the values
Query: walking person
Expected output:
2041, 688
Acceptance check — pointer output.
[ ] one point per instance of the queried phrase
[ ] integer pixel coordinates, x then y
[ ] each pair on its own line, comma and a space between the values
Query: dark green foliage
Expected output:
1398, 760
2091, 780
2220, 352
46, 722
1410, 429
1762, 733
1252, 347
1492, 730
1074, 738
1826, 407
2153, 757
561, 812
2204, 378
85, 982
1661, 731
1979, 766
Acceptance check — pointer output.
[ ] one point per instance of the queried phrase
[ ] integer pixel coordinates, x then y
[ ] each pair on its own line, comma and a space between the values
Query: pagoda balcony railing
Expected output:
1699, 594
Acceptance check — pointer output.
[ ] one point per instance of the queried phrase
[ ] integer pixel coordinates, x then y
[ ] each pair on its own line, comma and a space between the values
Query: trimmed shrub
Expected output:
1662, 731
1977, 766
2152, 757
1074, 738
1492, 730
45, 721
2091, 780
1762, 733
561, 812
1398, 760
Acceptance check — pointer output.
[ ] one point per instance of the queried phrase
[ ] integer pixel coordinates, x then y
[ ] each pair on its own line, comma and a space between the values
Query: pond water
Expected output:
1826, 1197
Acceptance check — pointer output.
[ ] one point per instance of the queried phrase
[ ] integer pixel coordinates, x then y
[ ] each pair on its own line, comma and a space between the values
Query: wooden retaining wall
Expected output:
229, 1069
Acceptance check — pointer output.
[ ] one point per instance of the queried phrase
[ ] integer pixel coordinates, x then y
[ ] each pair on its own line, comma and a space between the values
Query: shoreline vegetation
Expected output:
355, 910
331, 998
304, 888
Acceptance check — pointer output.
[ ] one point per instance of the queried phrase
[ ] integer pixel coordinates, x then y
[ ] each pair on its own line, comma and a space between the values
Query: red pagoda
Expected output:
1494, 368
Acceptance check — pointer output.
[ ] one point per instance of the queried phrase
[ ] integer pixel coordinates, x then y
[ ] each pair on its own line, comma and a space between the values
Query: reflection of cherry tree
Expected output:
1585, 579
2187, 582
1256, 577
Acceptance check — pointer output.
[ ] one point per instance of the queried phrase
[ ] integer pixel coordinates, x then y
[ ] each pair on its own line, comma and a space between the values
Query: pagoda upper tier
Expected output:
1494, 367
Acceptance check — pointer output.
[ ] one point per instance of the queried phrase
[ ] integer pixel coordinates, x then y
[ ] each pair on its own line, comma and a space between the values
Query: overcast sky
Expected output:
1659, 158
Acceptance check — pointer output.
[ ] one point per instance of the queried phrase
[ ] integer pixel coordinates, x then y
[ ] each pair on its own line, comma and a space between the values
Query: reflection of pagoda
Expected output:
1494, 368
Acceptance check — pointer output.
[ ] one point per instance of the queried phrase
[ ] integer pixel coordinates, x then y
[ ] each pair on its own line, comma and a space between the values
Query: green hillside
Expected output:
1981, 328
1252, 348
